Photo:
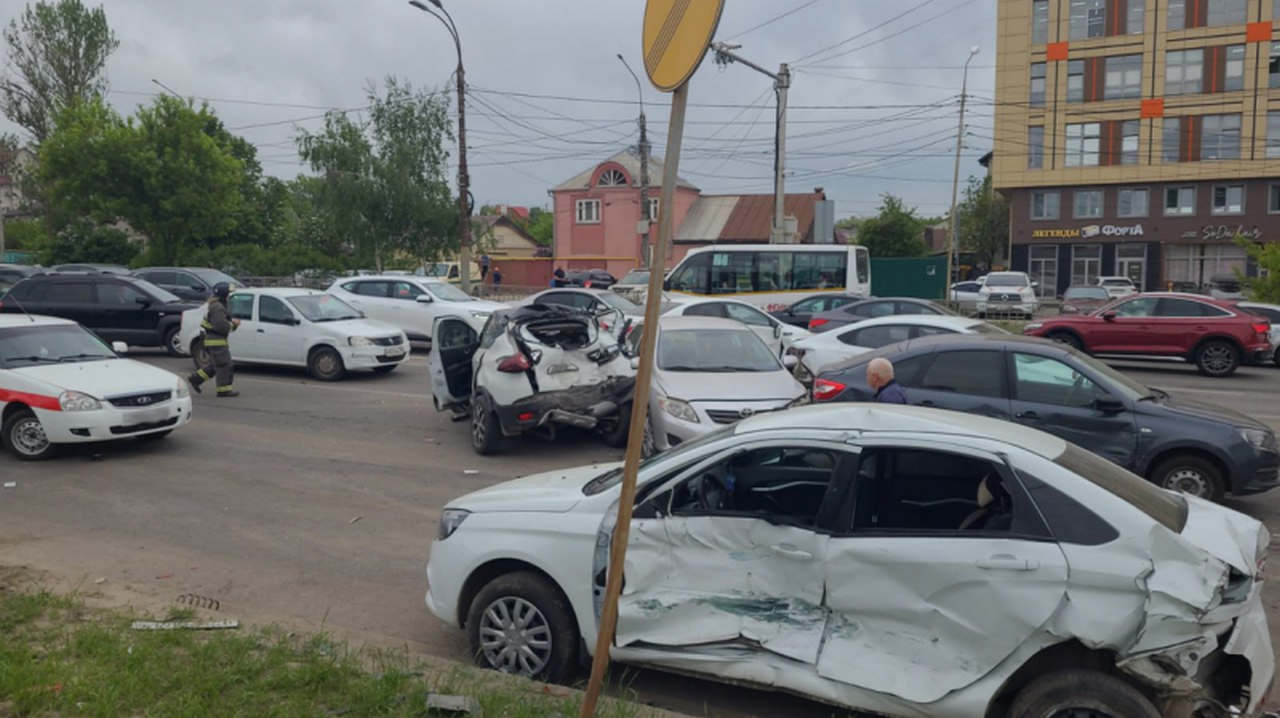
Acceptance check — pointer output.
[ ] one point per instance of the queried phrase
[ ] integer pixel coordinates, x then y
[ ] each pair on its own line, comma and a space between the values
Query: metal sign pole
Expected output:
639, 406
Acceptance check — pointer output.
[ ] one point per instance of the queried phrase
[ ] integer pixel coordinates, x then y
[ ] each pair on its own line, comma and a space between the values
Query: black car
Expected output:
11, 274
799, 314
590, 278
871, 308
1176, 443
116, 269
125, 309
193, 283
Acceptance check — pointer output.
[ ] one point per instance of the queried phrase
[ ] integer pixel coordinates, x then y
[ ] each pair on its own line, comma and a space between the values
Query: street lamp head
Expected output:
437, 4
419, 5
974, 50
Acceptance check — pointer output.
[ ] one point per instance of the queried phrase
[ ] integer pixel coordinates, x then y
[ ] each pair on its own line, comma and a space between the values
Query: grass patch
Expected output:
58, 657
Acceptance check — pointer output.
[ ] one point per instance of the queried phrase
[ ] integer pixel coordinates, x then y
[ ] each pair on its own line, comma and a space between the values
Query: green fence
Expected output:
923, 277
14, 256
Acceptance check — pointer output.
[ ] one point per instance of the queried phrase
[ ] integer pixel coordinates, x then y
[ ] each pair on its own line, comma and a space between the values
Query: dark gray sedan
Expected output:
872, 308
1176, 443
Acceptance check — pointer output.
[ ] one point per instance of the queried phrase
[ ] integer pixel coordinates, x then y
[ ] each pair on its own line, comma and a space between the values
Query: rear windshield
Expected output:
1006, 280
619, 303
1165, 507
1086, 293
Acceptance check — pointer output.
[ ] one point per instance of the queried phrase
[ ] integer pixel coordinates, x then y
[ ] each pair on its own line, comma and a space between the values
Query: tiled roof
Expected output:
744, 218
631, 163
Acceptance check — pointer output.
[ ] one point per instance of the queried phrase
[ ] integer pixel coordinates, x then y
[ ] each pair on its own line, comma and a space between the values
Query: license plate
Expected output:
149, 416
395, 351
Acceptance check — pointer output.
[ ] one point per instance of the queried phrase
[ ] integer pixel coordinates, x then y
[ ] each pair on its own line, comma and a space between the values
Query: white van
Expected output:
772, 276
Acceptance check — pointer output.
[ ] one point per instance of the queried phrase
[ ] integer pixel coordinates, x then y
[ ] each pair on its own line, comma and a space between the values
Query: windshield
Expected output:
1006, 280
619, 303
163, 295
682, 453
635, 276
714, 350
213, 276
1119, 282
448, 293
435, 269
49, 344
985, 328
1086, 293
1166, 507
323, 308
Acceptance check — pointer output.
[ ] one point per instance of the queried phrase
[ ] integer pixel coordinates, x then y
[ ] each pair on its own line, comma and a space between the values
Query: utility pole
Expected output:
781, 83
953, 258
645, 259
464, 179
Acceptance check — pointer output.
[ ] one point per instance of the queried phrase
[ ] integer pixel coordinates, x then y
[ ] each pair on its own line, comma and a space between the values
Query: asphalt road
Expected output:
314, 504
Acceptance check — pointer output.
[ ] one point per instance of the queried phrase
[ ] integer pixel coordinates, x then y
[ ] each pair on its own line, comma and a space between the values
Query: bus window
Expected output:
731, 272
692, 276
820, 270
863, 262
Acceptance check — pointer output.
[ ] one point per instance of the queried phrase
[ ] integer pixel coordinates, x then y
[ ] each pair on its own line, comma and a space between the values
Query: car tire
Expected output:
1081, 692
1067, 338
1217, 358
383, 369
172, 342
547, 647
1190, 474
24, 435
486, 431
199, 354
616, 437
325, 364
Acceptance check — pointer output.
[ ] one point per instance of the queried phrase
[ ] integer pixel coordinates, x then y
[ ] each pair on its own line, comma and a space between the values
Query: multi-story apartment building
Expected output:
1138, 137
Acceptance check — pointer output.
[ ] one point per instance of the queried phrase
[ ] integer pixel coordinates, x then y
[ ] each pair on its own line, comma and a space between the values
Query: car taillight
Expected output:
1262, 328
514, 364
825, 389
816, 322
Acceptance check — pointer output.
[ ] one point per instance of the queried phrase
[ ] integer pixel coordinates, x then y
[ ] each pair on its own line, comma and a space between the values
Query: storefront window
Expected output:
1044, 268
1086, 263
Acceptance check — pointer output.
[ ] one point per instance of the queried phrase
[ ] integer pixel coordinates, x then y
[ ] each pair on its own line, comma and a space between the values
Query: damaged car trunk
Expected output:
533, 369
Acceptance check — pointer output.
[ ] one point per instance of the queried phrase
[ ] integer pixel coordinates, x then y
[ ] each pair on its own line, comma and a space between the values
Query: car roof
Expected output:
1224, 303
955, 342
946, 321
26, 320
579, 290
278, 291
676, 323
893, 417
917, 300
390, 278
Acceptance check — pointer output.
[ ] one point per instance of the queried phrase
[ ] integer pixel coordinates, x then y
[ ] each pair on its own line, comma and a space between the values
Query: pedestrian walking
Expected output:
880, 378
217, 326
497, 279
484, 266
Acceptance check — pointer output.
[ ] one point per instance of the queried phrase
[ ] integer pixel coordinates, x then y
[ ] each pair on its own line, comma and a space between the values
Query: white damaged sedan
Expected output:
891, 559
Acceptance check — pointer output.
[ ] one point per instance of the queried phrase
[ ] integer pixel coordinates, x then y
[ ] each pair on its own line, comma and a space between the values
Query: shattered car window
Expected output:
1165, 507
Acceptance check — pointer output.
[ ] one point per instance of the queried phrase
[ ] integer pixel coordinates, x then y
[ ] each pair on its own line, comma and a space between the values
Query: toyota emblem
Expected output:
744, 413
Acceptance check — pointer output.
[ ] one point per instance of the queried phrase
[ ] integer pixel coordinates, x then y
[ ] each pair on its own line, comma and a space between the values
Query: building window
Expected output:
1177, 14
612, 178
1044, 205
1039, 22
1225, 12
1044, 268
1273, 202
1088, 18
1035, 146
1171, 139
1273, 135
1206, 13
1220, 137
1086, 263
588, 211
1037, 84
1087, 204
1082, 144
1129, 142
1228, 199
1124, 77
653, 208
1179, 201
1183, 72
1075, 81
1273, 67
1136, 15
1233, 68
1131, 203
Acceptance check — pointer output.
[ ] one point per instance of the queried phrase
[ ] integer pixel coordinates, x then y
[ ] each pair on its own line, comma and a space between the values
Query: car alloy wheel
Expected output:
479, 432
27, 437
173, 343
515, 637
1217, 359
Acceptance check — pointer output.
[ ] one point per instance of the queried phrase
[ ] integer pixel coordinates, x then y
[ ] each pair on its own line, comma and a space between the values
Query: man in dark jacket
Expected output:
217, 326
880, 378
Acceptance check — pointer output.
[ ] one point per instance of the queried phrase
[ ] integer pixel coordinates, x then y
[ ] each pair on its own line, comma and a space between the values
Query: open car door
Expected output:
449, 362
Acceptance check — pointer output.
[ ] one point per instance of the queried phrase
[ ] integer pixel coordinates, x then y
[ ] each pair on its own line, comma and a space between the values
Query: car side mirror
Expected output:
790, 360
424, 299
197, 288
635, 362
1107, 405
1109, 316
777, 331
119, 347
666, 285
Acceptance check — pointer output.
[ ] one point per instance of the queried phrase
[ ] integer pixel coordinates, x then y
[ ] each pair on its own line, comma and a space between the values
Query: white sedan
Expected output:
821, 350
896, 560
303, 328
778, 335
412, 303
59, 384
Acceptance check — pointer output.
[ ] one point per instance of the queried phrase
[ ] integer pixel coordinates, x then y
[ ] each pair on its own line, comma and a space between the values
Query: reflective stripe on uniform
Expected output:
224, 389
201, 373
215, 342
206, 325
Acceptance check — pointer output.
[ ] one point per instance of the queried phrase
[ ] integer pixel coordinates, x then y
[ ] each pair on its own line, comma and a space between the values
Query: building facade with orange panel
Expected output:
1137, 137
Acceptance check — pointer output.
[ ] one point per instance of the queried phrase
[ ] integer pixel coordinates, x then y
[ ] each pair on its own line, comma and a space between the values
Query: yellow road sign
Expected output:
676, 36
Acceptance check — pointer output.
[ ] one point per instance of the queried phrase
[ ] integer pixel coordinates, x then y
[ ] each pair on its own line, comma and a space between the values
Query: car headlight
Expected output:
78, 401
481, 315
1259, 438
1031, 326
679, 409
360, 341
182, 390
450, 520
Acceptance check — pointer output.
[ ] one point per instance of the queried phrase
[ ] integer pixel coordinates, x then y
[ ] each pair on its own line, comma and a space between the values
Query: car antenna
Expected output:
10, 297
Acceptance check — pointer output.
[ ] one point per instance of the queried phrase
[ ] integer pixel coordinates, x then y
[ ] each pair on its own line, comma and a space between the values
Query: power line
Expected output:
906, 29
772, 20
869, 30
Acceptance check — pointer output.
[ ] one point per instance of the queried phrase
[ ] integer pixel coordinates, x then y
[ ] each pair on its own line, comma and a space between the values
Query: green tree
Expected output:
541, 226
895, 232
384, 185
85, 241
28, 234
1267, 256
57, 52
983, 219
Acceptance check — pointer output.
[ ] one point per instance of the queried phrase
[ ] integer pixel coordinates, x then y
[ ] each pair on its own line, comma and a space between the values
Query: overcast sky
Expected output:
271, 67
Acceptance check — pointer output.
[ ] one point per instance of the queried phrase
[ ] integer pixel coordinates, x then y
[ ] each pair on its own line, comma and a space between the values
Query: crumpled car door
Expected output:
449, 362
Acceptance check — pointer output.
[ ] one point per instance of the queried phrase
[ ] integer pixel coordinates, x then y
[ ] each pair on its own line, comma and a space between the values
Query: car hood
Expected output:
359, 327
1210, 412
552, 491
1224, 533
729, 386
109, 377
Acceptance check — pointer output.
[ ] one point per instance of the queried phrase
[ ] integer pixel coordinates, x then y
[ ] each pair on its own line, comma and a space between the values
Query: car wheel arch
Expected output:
486, 572
1235, 343
1069, 331
1195, 451
1066, 655
12, 408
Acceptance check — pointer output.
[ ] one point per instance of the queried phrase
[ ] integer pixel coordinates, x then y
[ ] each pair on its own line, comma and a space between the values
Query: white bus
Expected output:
772, 276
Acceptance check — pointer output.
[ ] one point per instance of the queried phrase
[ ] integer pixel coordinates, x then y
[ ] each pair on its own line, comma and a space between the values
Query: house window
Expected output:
1124, 77
1083, 141
1087, 204
1273, 65
1179, 201
653, 209
1233, 70
1039, 22
1037, 84
1086, 263
1131, 203
1228, 199
1129, 142
1044, 205
1273, 201
1171, 139
612, 178
1220, 137
588, 211
1035, 146
1183, 72
1075, 81
1273, 135
1088, 18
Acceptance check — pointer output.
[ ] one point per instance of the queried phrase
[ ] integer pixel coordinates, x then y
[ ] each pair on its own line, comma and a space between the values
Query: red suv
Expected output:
1214, 335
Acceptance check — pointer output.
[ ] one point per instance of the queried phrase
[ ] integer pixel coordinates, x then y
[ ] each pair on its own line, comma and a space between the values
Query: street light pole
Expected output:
645, 259
464, 180
953, 259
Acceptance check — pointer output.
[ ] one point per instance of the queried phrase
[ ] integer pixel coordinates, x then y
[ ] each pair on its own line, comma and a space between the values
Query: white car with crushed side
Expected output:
60, 384
778, 335
411, 303
827, 348
1005, 293
302, 328
896, 560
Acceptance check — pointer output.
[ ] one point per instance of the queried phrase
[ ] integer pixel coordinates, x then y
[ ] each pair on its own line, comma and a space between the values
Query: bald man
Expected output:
880, 378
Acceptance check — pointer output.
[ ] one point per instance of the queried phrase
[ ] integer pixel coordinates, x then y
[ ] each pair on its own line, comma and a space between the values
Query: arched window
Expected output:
612, 178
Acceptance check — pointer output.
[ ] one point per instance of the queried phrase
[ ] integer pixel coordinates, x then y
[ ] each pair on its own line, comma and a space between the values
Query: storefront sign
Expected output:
1087, 232
1224, 232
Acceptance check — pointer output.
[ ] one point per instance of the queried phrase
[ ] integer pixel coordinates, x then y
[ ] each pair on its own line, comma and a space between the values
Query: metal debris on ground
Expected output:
194, 599
11, 484
470, 471
183, 625
355, 519
99, 581
452, 704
